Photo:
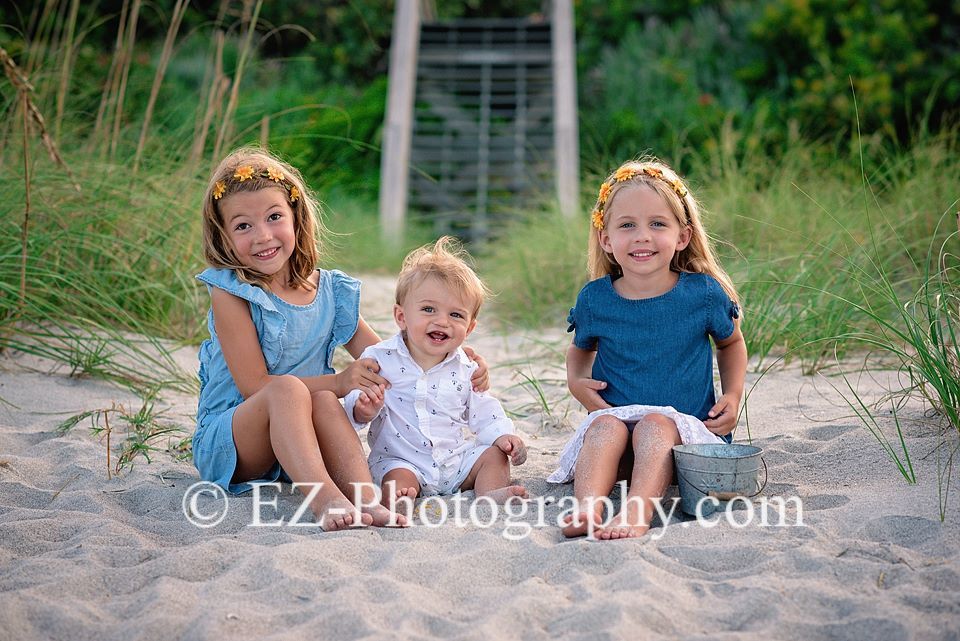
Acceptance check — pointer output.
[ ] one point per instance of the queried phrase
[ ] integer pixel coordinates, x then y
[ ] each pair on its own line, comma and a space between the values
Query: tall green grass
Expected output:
792, 232
109, 288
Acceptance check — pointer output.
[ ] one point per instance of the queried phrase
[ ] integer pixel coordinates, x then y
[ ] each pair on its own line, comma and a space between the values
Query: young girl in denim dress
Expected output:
269, 398
641, 361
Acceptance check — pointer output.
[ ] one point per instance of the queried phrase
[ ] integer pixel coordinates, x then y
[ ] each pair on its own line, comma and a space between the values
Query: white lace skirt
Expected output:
692, 430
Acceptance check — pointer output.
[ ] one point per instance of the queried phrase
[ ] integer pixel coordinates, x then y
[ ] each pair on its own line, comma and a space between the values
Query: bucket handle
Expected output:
729, 496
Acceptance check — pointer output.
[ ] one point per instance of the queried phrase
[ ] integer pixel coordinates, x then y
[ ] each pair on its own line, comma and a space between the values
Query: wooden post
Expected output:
566, 133
398, 129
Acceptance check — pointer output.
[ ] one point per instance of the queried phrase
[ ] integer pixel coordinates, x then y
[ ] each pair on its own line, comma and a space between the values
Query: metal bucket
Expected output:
720, 470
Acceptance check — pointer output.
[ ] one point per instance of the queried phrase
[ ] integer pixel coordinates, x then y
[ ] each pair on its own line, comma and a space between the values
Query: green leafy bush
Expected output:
903, 57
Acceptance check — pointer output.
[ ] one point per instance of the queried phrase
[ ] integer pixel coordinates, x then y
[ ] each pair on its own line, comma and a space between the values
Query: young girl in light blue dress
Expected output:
269, 398
641, 361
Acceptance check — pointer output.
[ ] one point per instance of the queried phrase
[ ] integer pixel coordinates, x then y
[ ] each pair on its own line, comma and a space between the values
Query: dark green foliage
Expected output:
664, 76
666, 87
898, 54
338, 142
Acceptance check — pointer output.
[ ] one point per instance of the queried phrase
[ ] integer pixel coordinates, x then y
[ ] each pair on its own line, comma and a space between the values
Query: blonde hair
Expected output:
259, 169
697, 257
445, 260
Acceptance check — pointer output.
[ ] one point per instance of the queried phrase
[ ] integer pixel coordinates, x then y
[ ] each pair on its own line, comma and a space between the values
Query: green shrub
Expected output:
902, 57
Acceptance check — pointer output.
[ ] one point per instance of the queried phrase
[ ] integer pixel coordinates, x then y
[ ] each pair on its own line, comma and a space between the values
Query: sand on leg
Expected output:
653, 440
597, 463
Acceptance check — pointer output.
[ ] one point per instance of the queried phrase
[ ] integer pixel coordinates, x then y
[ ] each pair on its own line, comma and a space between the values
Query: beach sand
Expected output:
84, 557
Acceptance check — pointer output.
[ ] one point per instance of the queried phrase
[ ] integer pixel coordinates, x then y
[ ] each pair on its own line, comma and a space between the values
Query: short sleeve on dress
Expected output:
579, 324
721, 313
346, 298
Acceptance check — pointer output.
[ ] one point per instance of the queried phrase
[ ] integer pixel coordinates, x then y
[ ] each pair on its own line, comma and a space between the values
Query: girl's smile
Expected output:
260, 227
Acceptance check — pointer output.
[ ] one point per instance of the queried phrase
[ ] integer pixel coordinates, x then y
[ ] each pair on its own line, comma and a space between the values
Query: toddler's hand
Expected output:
362, 374
723, 415
481, 376
366, 408
512, 445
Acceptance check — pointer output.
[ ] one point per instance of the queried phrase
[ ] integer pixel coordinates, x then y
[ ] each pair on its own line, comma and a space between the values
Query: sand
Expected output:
84, 557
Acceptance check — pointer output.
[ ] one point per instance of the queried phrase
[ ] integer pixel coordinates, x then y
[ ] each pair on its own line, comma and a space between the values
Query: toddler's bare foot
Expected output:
580, 524
338, 514
384, 517
503, 494
401, 502
408, 492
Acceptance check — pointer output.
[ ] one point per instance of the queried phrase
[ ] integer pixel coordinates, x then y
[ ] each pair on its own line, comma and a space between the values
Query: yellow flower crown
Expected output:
624, 174
246, 172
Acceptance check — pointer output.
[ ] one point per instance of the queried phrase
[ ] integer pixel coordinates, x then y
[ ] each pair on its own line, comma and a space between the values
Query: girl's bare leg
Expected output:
490, 476
340, 446
596, 472
274, 425
653, 441
400, 488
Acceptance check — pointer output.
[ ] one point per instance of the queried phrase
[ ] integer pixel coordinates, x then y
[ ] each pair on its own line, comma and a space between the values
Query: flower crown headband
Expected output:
624, 174
246, 172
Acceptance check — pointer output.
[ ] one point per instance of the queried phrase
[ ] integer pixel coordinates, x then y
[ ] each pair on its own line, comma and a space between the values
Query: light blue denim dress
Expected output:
295, 339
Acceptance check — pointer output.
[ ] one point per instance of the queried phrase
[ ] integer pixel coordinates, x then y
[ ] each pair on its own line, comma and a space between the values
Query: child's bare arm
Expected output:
363, 338
732, 364
239, 342
241, 351
584, 388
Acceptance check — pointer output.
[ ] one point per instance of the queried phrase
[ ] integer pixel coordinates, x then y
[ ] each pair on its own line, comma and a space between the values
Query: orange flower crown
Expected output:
624, 174
246, 172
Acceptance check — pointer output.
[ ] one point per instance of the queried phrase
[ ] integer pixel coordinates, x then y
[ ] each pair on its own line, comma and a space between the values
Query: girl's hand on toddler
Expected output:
513, 446
362, 374
481, 376
587, 391
723, 415
366, 408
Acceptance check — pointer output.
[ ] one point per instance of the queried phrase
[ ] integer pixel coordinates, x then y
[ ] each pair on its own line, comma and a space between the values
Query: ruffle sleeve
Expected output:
268, 320
346, 298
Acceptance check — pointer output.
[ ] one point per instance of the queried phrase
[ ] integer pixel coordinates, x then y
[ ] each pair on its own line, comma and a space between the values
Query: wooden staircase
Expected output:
482, 141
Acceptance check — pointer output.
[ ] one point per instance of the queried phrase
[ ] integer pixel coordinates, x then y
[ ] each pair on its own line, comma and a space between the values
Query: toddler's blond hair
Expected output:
445, 260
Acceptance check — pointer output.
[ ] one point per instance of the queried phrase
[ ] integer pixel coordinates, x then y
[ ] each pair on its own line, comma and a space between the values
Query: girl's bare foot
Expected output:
503, 494
338, 514
613, 532
628, 524
580, 523
384, 517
